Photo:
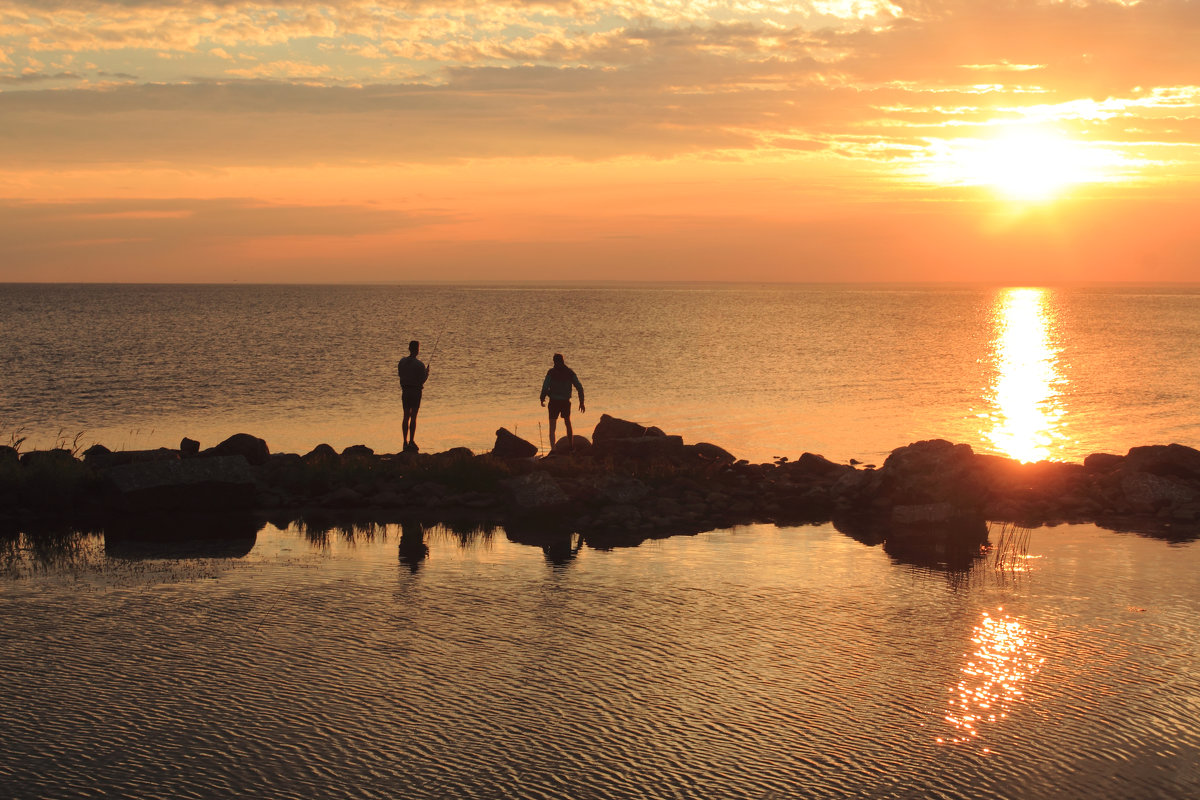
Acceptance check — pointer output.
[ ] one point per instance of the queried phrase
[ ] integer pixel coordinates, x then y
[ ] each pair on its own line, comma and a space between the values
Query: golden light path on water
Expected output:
994, 677
1025, 420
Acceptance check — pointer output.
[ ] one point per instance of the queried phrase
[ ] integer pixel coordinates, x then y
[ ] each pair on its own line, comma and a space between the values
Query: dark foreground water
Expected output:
756, 662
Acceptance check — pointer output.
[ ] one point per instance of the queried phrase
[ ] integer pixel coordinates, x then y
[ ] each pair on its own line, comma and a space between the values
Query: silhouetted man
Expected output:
413, 374
557, 386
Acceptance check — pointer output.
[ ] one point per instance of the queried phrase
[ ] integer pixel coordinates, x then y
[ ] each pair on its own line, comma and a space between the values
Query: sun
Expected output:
1026, 163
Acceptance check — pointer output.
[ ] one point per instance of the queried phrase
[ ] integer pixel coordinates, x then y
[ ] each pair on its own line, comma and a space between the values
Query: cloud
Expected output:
27, 78
289, 69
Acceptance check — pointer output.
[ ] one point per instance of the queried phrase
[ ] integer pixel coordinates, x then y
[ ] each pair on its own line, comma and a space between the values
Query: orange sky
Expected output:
837, 140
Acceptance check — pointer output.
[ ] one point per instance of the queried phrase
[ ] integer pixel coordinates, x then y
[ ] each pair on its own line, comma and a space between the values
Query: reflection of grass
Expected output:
1011, 549
63, 549
322, 528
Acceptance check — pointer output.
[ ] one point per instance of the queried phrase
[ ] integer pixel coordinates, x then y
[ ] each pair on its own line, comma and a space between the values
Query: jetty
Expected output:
626, 483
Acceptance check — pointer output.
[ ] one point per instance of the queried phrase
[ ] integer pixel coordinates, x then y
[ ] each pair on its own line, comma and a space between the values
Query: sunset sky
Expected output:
845, 140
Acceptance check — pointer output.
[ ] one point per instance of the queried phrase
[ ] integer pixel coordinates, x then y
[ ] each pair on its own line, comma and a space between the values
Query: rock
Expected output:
342, 498
617, 489
814, 466
509, 445
711, 452
48, 460
1147, 493
388, 499
475, 500
98, 456
855, 490
933, 471
188, 447
430, 493
358, 452
216, 483
644, 447
536, 491
10, 459
454, 454
251, 448
321, 455
613, 428
620, 515
1172, 460
1102, 462
579, 446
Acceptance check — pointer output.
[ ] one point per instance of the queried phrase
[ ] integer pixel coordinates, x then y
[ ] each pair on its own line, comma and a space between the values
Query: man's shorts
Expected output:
410, 397
560, 408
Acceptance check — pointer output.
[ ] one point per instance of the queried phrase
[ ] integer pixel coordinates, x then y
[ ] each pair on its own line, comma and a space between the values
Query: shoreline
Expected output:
626, 484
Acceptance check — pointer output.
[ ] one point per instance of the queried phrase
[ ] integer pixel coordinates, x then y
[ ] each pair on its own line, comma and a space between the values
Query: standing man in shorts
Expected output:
557, 387
413, 374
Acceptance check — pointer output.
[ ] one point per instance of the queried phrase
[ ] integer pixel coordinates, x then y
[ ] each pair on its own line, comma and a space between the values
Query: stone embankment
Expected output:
628, 482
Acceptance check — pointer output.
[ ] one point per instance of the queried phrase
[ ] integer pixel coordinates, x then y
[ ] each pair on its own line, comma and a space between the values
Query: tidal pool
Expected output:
756, 662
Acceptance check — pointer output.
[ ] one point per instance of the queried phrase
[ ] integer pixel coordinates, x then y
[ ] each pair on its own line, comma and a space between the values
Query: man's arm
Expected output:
578, 388
545, 388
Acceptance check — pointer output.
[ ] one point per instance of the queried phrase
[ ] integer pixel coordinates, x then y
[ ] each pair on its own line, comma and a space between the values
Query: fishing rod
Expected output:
433, 352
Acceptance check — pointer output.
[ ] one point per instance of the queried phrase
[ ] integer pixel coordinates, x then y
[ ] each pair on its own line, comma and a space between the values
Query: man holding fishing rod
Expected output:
413, 374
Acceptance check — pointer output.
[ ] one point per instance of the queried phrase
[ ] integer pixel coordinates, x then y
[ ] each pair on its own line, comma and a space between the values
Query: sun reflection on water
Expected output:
1025, 420
994, 677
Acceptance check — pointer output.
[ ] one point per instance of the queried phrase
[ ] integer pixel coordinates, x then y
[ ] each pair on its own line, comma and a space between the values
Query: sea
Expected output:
324, 660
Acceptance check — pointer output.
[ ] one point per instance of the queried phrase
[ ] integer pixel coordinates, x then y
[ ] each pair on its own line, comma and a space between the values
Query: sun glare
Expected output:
1029, 164
1025, 417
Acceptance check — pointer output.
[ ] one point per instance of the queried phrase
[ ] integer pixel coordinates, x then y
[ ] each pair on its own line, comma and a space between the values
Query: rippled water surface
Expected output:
757, 662
851, 371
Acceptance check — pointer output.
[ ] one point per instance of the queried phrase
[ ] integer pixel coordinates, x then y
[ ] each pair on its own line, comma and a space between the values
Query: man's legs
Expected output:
412, 426
553, 421
567, 422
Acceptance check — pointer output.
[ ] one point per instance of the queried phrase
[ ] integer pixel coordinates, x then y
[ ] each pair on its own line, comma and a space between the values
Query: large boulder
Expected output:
509, 445
643, 447
217, 483
1102, 462
251, 448
577, 445
100, 457
933, 471
810, 466
9, 457
705, 451
321, 455
1147, 493
49, 460
613, 428
1167, 461
358, 452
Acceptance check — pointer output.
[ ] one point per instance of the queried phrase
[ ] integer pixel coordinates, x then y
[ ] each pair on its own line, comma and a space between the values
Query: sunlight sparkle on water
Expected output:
995, 676
1025, 421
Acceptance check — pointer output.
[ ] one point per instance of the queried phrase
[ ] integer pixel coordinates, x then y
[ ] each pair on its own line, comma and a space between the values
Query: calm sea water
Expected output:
846, 371
757, 663
751, 663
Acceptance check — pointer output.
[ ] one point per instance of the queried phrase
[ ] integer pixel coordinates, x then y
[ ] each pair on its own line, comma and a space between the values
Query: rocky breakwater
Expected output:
626, 483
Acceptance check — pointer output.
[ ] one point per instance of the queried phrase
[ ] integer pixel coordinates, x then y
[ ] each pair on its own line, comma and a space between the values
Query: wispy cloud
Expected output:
871, 85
